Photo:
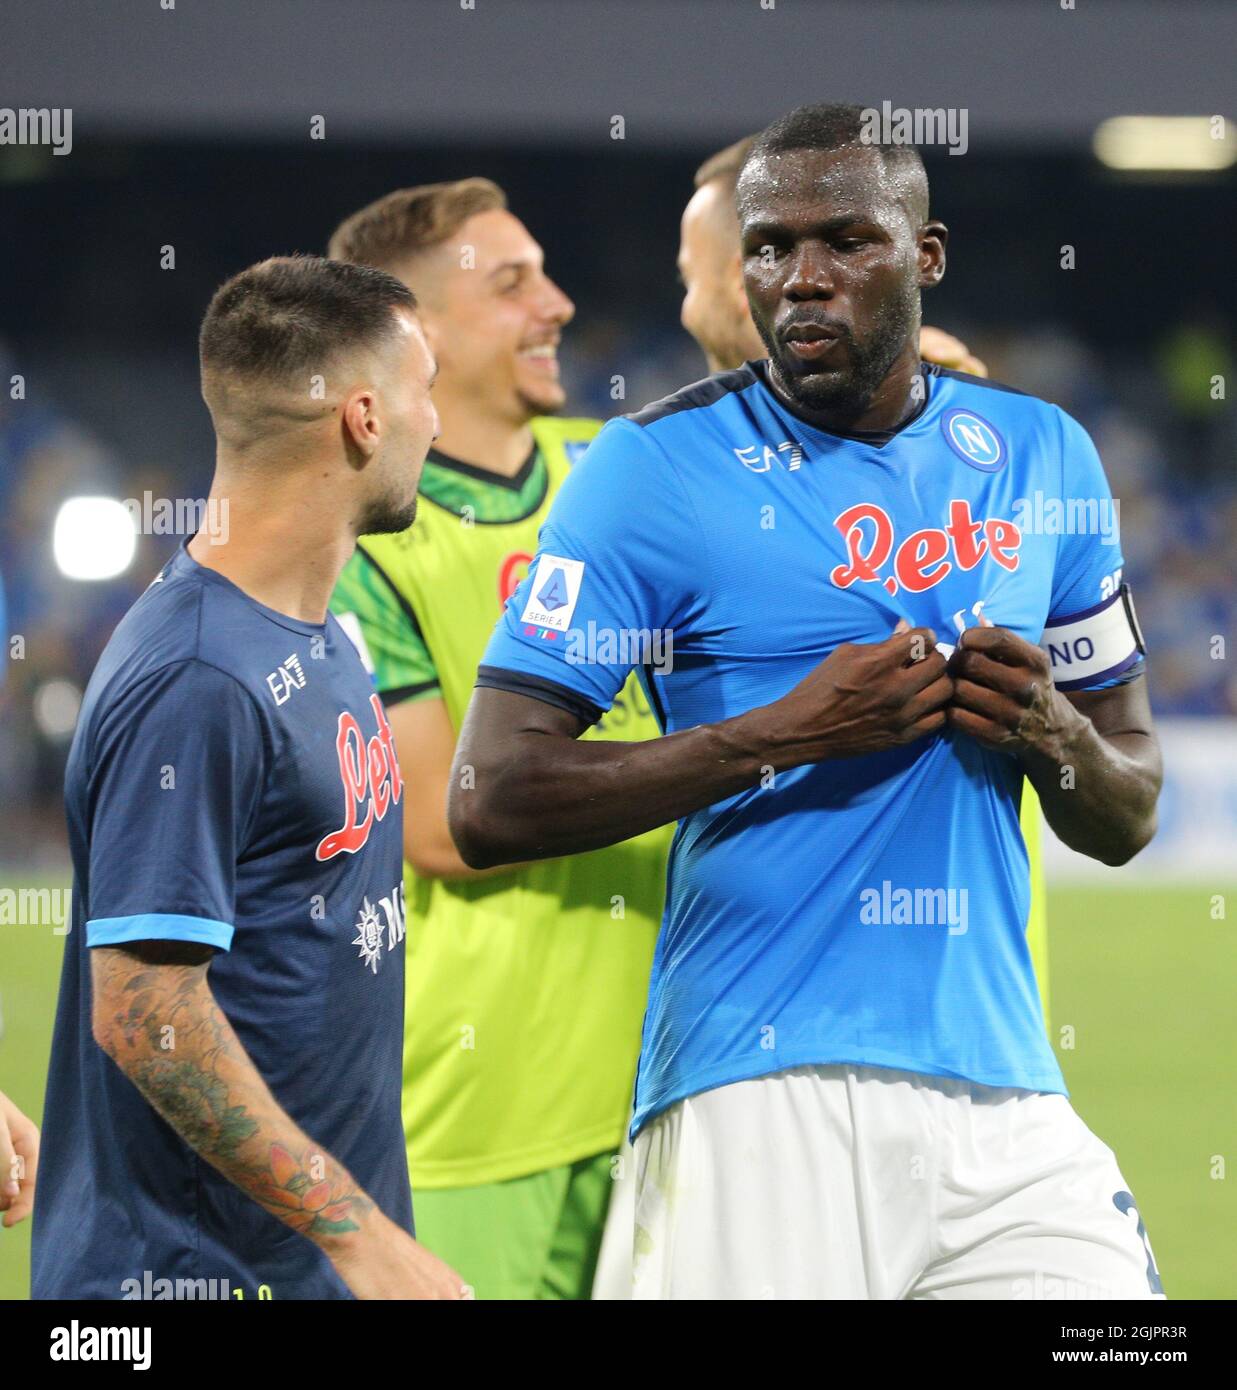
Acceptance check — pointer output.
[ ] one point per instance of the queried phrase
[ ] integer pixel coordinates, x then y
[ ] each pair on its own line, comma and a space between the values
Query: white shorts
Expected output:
866, 1182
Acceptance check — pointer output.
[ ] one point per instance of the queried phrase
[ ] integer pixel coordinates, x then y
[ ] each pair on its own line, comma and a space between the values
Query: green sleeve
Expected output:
367, 603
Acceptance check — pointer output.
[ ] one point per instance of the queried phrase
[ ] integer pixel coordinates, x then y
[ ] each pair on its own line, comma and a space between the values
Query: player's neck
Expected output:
489, 442
282, 546
893, 401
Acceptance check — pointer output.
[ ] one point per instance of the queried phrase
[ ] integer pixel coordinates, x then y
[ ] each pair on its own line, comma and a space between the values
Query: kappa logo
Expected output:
283, 680
371, 780
760, 459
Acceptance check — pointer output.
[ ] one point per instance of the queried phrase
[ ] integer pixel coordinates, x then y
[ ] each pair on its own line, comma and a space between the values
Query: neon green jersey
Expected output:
1037, 918
525, 991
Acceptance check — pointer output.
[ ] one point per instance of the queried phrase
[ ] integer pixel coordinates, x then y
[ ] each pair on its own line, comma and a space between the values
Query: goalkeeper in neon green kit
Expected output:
525, 987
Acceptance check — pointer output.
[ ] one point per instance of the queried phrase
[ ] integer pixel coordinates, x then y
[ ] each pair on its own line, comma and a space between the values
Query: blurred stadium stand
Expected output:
221, 167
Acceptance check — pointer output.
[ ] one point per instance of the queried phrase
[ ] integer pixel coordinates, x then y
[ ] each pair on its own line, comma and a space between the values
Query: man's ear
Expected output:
359, 423
933, 237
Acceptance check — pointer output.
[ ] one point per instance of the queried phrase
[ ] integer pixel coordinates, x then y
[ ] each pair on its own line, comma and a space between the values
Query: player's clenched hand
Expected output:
19, 1161
1003, 693
867, 696
383, 1261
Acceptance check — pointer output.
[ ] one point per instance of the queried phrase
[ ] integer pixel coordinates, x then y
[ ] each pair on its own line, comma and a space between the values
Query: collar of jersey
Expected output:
184, 563
453, 485
876, 439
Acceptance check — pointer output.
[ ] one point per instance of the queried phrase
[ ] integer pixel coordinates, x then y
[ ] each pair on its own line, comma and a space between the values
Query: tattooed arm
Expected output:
209, 1091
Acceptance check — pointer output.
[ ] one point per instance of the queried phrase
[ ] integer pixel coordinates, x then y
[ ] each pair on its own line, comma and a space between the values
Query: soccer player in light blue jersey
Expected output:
867, 598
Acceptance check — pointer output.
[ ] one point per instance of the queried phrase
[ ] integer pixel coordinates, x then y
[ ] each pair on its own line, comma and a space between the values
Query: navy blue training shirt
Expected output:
232, 781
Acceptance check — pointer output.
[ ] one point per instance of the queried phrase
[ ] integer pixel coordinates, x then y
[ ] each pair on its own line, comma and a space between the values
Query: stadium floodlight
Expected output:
93, 538
56, 706
1182, 144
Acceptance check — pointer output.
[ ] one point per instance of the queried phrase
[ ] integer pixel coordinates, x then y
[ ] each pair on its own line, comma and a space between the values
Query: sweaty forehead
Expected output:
799, 186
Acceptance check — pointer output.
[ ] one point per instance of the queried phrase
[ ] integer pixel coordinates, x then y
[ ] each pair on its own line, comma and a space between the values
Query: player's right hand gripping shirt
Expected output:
232, 782
868, 910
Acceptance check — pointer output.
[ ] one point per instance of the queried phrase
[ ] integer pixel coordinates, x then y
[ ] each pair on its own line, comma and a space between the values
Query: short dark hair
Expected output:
835, 126
289, 314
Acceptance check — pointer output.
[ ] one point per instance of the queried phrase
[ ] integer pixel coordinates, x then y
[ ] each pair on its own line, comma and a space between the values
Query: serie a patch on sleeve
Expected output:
1096, 645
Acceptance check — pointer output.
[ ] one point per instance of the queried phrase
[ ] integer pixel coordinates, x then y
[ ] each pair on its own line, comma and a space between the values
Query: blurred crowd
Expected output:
1167, 437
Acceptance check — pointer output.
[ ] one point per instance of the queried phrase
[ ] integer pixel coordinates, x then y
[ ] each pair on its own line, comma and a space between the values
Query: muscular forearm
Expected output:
522, 787
1092, 755
163, 1027
1098, 791
432, 852
562, 796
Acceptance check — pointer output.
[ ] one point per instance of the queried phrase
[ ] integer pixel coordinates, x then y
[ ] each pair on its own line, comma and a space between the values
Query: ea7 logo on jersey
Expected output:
371, 778
788, 455
922, 559
283, 680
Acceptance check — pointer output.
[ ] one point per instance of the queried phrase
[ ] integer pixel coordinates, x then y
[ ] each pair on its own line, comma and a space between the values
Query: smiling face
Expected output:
493, 318
836, 248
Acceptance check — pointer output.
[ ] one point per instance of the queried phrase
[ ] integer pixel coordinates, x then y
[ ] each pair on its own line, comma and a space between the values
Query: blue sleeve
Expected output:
615, 581
176, 769
1087, 578
1089, 561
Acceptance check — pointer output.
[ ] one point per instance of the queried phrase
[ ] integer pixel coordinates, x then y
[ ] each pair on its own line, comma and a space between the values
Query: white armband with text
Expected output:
1096, 645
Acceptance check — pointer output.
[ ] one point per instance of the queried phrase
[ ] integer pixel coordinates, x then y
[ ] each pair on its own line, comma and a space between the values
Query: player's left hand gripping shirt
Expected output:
868, 910
232, 782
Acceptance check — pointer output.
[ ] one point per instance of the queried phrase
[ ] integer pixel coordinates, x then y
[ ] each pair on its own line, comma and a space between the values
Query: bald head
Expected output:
715, 310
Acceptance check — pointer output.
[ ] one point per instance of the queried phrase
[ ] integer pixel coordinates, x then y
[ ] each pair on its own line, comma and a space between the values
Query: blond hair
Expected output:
725, 164
411, 220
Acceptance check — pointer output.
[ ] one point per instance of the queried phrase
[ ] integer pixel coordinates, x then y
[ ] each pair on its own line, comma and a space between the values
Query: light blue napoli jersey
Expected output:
868, 910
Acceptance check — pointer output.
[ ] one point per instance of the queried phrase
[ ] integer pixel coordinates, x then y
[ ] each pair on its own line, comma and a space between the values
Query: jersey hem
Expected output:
159, 926
540, 688
520, 1164
727, 1073
402, 694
